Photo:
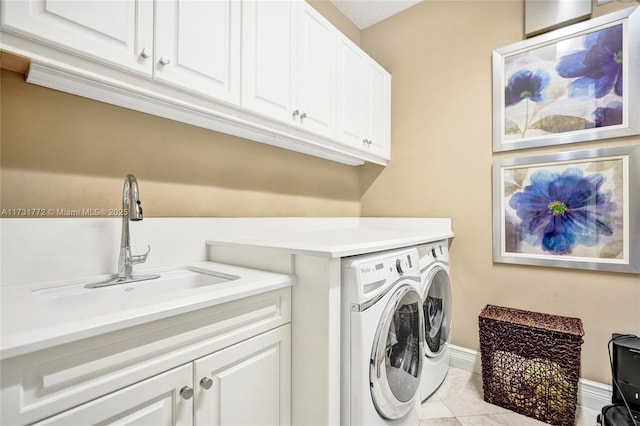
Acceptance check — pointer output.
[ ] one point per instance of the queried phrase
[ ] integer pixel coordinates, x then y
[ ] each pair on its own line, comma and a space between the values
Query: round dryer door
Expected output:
396, 356
437, 311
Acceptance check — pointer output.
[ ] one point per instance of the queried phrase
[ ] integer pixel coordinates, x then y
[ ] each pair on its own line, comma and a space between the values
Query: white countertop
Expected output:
334, 238
30, 324
67, 249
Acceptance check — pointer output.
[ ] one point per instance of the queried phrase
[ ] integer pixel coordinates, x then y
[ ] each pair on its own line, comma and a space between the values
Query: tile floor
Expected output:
458, 402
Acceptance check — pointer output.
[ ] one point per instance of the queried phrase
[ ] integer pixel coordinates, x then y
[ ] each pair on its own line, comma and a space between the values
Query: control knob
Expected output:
401, 266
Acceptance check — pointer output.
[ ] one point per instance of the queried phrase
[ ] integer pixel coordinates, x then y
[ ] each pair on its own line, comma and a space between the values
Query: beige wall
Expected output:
439, 53
65, 152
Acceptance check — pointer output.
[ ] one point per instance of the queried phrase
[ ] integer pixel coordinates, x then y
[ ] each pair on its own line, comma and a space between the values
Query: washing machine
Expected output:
436, 298
382, 339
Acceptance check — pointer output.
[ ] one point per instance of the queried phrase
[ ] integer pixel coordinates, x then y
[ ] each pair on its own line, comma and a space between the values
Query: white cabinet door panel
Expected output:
251, 382
268, 57
114, 32
198, 46
317, 72
379, 102
155, 401
351, 109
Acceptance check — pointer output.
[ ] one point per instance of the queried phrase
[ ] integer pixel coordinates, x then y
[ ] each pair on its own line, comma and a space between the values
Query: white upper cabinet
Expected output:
364, 101
269, 55
351, 94
288, 64
192, 44
316, 101
378, 107
117, 32
274, 71
197, 46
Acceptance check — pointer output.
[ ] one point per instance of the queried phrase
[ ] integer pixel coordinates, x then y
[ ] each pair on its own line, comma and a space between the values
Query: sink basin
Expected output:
170, 281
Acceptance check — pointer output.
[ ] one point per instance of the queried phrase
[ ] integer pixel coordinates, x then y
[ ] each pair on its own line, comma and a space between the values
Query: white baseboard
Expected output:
593, 395
465, 359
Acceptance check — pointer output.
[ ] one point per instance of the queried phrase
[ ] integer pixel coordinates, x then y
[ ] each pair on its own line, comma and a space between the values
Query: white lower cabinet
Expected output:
155, 401
246, 384
226, 364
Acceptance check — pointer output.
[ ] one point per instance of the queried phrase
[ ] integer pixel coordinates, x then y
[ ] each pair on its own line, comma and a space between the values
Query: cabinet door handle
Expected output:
206, 383
145, 52
303, 115
186, 392
165, 60
294, 113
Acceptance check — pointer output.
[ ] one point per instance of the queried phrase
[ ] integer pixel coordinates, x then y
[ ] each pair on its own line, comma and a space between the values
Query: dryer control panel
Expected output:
431, 252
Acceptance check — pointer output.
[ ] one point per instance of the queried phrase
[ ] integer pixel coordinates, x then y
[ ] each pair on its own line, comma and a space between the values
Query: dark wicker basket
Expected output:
531, 362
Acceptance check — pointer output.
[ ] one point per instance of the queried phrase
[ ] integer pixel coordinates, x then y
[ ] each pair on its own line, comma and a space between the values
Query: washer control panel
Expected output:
375, 273
387, 267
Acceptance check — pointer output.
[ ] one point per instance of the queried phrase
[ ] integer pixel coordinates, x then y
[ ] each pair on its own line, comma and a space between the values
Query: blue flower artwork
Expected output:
574, 85
597, 68
571, 210
526, 84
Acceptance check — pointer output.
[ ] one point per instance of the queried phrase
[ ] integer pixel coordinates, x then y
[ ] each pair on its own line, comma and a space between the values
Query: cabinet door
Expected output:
156, 401
115, 32
379, 105
316, 94
350, 121
198, 46
269, 57
248, 383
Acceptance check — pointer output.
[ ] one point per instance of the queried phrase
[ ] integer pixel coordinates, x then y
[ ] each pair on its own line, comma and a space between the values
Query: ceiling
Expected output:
364, 13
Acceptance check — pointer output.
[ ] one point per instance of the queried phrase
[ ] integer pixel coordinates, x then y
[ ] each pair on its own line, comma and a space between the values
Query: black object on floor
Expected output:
625, 370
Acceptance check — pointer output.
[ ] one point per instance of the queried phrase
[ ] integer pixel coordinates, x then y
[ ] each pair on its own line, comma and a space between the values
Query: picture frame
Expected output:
569, 210
569, 85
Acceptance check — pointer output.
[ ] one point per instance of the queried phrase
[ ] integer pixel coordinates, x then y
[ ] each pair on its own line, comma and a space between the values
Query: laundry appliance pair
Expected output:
396, 320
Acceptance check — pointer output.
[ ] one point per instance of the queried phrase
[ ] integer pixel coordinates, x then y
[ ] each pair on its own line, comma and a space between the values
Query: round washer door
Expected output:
396, 356
437, 311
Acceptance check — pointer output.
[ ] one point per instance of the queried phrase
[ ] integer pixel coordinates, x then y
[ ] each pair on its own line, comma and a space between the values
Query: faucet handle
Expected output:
140, 258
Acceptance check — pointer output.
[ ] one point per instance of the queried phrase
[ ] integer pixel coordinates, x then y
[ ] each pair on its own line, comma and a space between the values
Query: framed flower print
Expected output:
576, 209
574, 84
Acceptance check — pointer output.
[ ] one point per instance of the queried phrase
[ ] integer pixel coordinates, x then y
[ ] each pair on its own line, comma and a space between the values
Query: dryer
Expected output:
382, 338
436, 299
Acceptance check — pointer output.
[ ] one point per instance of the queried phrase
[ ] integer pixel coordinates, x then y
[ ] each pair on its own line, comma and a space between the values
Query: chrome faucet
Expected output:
131, 211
